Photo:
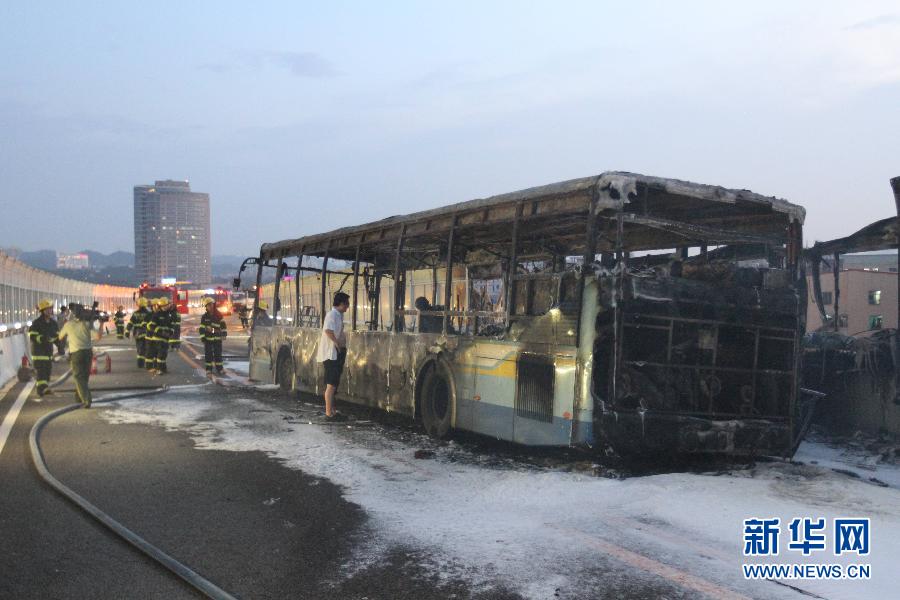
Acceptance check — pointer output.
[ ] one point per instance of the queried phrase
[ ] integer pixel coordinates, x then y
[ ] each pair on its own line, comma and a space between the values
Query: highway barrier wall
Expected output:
23, 286
12, 347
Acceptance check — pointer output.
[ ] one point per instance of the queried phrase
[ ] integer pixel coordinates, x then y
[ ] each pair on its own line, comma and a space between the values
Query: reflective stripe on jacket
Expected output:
43, 333
212, 327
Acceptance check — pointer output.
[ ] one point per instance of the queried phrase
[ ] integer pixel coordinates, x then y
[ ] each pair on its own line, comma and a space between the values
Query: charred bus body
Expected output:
644, 313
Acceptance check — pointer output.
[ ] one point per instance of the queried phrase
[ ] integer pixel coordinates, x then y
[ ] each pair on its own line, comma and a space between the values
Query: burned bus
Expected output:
620, 310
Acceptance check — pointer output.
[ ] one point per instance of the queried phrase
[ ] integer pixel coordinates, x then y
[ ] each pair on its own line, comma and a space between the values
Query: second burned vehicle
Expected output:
644, 313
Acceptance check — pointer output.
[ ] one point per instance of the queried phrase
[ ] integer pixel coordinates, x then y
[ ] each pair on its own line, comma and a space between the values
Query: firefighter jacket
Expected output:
176, 325
138, 322
43, 333
160, 326
119, 317
212, 327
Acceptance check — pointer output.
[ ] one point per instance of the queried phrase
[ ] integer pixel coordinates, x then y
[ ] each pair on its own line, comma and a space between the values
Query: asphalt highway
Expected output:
212, 510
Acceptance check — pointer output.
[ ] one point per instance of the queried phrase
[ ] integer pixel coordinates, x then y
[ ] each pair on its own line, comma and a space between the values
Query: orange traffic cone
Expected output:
93, 365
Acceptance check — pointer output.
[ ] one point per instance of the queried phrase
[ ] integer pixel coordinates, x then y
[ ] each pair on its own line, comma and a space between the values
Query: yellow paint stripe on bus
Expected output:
505, 369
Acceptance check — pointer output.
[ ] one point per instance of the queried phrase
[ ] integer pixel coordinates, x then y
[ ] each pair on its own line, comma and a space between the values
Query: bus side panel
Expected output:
306, 369
494, 368
408, 352
465, 384
382, 368
365, 369
499, 378
261, 354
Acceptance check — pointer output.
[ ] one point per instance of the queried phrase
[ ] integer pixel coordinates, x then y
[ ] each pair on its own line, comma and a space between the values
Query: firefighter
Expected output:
244, 314
119, 319
138, 324
43, 333
175, 340
212, 332
159, 331
261, 316
149, 338
61, 319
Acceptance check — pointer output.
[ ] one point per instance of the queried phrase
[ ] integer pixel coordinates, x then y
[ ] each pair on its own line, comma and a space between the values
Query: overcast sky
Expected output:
300, 119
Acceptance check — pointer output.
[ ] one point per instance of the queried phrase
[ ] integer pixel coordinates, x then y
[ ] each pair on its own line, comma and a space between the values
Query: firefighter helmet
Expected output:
44, 304
207, 301
142, 302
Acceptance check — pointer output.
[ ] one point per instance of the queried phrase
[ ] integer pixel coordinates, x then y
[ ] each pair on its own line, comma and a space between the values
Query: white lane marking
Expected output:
13, 414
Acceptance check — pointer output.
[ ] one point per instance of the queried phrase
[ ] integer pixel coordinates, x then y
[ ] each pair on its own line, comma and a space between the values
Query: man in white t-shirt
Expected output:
333, 351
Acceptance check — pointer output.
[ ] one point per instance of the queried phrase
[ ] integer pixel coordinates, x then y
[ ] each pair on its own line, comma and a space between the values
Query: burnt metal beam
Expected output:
297, 291
816, 267
836, 271
448, 280
895, 186
699, 232
324, 285
513, 264
355, 289
398, 279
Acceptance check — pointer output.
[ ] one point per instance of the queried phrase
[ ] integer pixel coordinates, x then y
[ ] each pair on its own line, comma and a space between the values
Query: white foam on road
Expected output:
539, 530
241, 367
866, 465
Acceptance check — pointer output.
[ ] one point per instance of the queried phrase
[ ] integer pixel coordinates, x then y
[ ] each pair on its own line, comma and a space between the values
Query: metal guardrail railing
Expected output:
23, 286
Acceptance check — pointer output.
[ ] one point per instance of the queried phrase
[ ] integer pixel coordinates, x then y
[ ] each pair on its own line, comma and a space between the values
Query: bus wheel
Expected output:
285, 373
436, 402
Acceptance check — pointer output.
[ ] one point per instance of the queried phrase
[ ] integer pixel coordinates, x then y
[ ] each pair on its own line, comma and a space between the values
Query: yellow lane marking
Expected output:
676, 576
13, 414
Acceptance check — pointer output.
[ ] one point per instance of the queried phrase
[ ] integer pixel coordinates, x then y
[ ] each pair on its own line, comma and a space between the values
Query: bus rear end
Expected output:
701, 366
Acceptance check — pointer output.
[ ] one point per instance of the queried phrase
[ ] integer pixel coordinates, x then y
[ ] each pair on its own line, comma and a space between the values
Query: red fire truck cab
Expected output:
175, 296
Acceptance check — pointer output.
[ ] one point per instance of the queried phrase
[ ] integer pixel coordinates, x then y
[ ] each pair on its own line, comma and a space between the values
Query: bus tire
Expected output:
284, 374
436, 400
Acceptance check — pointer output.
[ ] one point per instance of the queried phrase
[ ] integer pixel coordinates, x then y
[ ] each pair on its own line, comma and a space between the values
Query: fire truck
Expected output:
174, 295
222, 296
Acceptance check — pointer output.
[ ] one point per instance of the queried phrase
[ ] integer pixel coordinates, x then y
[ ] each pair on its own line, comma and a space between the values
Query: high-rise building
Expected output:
73, 261
171, 233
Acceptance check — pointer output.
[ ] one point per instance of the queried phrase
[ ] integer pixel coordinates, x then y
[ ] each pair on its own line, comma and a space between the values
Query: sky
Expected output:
298, 119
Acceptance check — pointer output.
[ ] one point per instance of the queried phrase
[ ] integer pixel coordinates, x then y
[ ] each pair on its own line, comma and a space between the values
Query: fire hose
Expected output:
182, 571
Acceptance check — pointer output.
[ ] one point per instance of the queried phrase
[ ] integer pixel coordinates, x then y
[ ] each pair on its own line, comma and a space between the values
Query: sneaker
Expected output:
47, 392
336, 418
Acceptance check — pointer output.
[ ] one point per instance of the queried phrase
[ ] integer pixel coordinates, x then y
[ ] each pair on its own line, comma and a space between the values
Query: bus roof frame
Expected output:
753, 218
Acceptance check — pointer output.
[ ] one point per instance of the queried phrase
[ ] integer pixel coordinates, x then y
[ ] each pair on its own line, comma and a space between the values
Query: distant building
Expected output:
868, 298
171, 233
870, 262
73, 261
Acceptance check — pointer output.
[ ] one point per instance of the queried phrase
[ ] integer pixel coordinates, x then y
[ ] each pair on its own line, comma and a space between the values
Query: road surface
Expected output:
252, 490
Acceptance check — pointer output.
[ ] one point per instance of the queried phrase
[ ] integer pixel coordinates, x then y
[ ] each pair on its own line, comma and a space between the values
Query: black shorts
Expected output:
334, 368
